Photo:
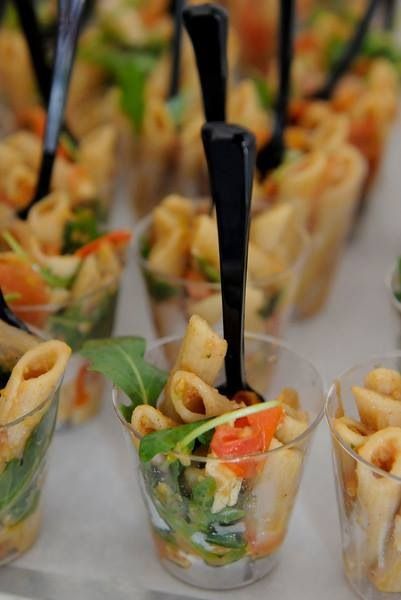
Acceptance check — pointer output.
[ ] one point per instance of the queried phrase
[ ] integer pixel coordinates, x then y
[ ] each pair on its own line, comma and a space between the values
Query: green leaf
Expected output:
227, 540
229, 516
379, 45
81, 230
181, 438
265, 94
121, 359
130, 71
208, 271
176, 107
55, 281
334, 51
161, 442
19, 472
158, 288
14, 245
145, 247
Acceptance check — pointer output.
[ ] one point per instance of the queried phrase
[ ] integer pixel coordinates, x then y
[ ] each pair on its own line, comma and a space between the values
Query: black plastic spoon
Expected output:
7, 315
70, 13
30, 27
230, 153
270, 156
35, 41
350, 53
177, 7
207, 26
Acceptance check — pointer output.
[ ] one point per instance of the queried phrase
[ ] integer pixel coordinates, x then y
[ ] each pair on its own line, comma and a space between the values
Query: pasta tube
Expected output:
228, 485
47, 219
33, 380
147, 419
273, 497
193, 399
379, 497
202, 352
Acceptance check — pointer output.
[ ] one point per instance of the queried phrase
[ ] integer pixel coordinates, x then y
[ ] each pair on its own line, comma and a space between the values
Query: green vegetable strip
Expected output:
14, 245
222, 419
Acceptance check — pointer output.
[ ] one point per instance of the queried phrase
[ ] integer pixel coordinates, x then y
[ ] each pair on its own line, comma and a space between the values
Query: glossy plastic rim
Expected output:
203, 459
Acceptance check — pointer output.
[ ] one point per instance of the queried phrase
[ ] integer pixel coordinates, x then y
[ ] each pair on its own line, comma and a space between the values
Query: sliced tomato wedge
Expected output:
116, 238
18, 277
248, 435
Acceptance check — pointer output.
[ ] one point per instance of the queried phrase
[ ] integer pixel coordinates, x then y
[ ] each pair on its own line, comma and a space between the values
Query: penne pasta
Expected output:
193, 399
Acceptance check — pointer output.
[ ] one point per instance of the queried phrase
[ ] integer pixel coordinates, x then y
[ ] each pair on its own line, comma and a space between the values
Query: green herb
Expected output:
269, 307
12, 297
180, 439
14, 245
56, 281
76, 323
334, 51
19, 472
130, 71
145, 247
379, 45
158, 288
208, 271
81, 230
122, 360
227, 540
176, 107
69, 144
26, 506
265, 93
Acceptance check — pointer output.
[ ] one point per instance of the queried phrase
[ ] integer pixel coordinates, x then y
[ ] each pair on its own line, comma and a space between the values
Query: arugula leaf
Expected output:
181, 438
19, 472
80, 230
379, 45
121, 359
265, 94
209, 271
334, 51
161, 442
158, 288
145, 247
55, 281
227, 540
176, 107
130, 70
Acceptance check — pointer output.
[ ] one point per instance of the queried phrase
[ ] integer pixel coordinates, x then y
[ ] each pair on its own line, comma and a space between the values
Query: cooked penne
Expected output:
193, 399
147, 419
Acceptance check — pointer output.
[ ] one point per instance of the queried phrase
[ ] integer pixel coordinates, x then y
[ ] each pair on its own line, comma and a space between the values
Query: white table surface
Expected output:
95, 543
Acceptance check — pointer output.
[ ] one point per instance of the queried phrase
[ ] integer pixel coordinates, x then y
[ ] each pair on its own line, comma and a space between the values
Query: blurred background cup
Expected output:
368, 493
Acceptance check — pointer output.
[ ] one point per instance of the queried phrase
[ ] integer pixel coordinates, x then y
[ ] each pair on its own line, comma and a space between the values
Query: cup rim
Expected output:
333, 432
143, 225
154, 344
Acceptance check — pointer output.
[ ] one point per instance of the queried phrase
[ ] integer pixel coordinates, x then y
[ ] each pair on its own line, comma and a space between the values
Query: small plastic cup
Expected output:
368, 495
22, 480
269, 302
90, 317
215, 541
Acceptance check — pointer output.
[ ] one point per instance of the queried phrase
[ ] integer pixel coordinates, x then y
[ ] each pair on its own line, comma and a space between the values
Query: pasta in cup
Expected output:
31, 371
176, 248
68, 296
219, 516
324, 187
363, 410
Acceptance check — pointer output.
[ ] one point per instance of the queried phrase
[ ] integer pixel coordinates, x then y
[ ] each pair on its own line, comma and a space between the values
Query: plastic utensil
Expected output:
177, 7
350, 53
270, 156
230, 153
70, 13
207, 26
7, 315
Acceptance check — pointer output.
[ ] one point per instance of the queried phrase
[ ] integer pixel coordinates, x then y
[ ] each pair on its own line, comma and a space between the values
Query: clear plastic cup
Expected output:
89, 317
368, 493
269, 302
22, 479
210, 541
